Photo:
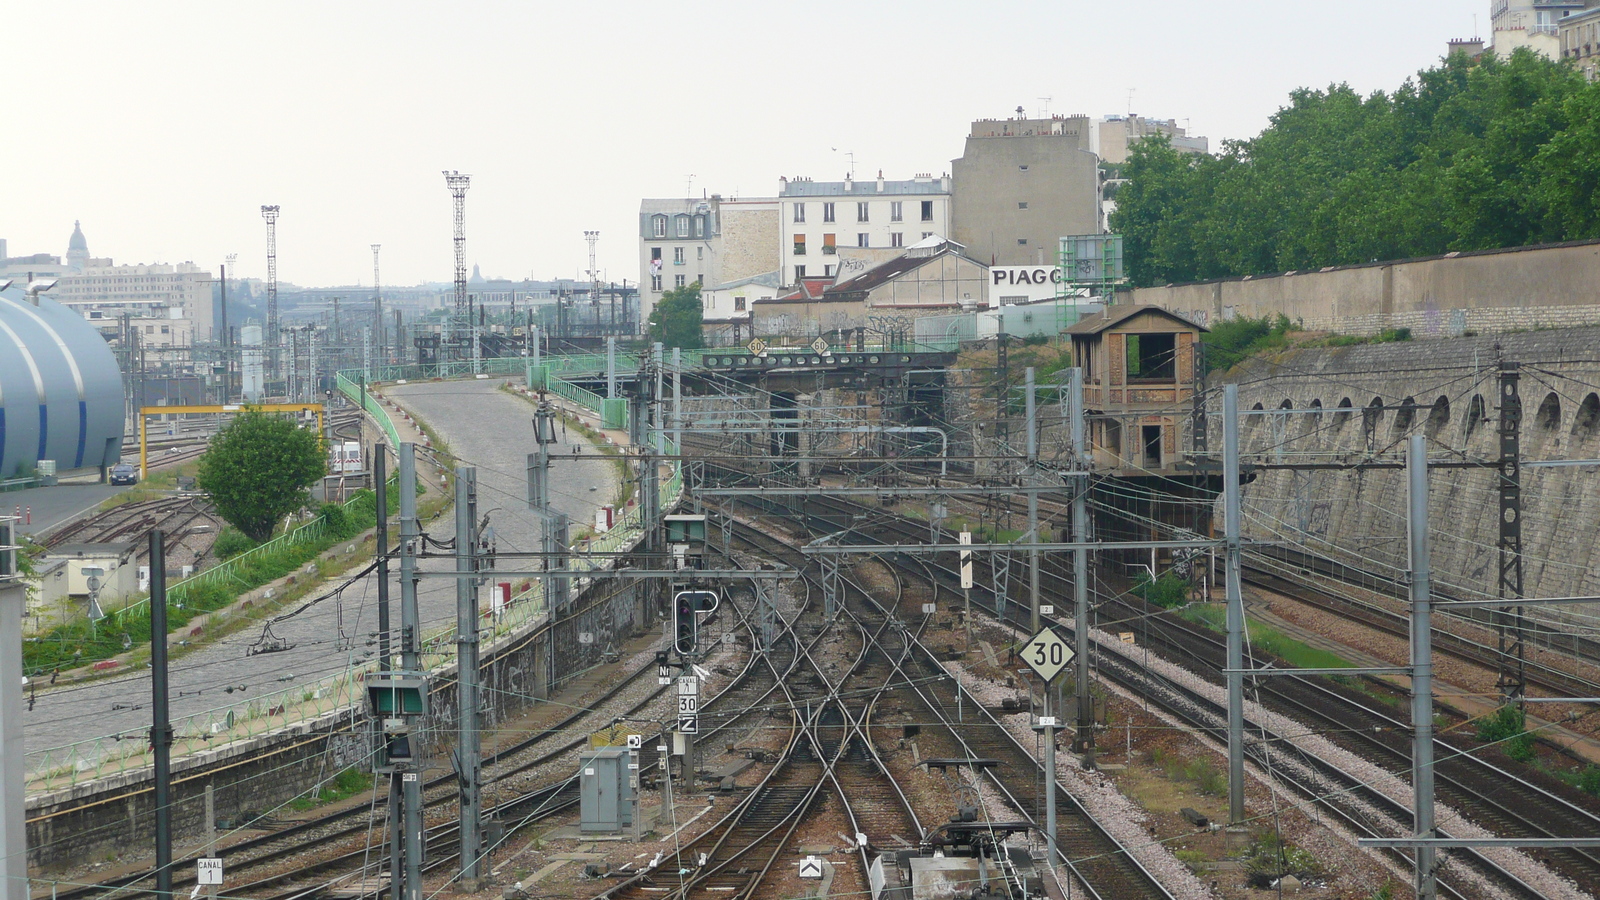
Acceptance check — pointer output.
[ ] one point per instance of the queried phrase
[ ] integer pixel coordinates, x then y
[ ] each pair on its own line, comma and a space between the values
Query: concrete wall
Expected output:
749, 238
1056, 176
1443, 296
113, 814
1359, 516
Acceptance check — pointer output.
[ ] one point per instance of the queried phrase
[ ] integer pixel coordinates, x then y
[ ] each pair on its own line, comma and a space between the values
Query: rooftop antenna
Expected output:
689, 191
1046, 113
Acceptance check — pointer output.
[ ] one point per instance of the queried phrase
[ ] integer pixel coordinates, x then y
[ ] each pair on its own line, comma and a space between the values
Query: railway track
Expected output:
923, 688
1495, 798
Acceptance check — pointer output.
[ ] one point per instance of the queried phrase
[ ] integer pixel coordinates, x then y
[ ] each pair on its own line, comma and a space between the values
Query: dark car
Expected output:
124, 474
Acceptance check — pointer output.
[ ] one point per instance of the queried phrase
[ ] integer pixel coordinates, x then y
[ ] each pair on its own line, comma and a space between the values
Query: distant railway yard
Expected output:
859, 709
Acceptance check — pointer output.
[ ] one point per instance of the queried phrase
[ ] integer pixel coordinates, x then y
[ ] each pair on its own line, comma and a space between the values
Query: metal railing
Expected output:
82, 761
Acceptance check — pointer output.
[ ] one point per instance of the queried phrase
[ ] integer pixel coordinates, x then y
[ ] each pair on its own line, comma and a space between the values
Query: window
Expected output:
1151, 357
658, 226
1023, 168
699, 226
926, 235
827, 271
861, 214
799, 245
827, 212
655, 283
799, 212
1022, 204
683, 226
677, 256
897, 239
738, 304
799, 273
1022, 242
896, 211
927, 210
678, 281
861, 240
829, 247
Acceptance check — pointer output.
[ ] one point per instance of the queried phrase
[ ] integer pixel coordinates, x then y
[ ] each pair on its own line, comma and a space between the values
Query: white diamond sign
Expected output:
819, 346
756, 346
1047, 654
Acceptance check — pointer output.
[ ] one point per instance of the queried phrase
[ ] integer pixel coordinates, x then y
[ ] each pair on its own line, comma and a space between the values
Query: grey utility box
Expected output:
605, 795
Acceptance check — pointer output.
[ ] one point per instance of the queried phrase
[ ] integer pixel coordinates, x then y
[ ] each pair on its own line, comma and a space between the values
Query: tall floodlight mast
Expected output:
593, 237
270, 213
458, 189
377, 303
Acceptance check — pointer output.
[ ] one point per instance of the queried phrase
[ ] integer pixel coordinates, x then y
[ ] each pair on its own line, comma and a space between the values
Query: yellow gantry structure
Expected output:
146, 411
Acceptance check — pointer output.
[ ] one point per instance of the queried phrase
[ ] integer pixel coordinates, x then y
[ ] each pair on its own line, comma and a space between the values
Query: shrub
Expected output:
1270, 858
1169, 591
230, 543
1508, 727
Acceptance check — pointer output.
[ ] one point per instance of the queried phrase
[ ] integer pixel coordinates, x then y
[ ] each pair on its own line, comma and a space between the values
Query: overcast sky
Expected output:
165, 126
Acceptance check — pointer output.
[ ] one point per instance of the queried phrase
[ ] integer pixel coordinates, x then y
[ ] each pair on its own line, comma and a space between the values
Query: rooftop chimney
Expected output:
880, 181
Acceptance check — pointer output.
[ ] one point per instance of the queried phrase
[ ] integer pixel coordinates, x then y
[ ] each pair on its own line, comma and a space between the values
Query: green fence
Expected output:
355, 390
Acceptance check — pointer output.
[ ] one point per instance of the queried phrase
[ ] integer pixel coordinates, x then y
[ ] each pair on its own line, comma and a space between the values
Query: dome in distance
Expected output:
78, 241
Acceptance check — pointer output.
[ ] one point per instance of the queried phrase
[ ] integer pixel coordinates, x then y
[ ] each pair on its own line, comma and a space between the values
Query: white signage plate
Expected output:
1047, 654
689, 724
208, 870
811, 867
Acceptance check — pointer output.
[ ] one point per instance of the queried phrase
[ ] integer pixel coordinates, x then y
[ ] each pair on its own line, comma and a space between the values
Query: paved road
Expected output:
54, 505
486, 428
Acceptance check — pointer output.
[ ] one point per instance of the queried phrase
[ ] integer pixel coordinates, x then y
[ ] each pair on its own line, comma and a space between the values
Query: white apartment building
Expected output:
819, 217
1114, 136
1534, 24
709, 240
171, 303
1580, 41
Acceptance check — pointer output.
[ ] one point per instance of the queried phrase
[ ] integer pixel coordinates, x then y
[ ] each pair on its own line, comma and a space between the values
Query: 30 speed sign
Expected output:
1047, 654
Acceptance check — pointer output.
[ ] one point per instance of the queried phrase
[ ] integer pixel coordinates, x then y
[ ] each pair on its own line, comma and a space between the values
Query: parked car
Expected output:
122, 473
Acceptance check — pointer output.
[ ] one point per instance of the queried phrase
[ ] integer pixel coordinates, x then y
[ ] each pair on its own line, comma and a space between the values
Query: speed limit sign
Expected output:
1047, 654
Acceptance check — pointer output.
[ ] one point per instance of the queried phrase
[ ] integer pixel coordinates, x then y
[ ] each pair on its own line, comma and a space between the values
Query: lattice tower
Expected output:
458, 183
270, 213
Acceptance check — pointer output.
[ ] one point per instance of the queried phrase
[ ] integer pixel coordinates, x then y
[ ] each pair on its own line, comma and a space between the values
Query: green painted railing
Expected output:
354, 390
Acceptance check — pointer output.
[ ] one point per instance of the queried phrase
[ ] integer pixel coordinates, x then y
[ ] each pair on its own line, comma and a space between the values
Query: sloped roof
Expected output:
765, 279
808, 289
885, 272
1116, 315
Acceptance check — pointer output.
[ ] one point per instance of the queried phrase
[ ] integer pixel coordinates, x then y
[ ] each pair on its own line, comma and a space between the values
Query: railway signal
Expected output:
686, 605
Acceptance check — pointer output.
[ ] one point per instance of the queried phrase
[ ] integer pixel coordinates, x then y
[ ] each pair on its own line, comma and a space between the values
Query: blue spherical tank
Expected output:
60, 389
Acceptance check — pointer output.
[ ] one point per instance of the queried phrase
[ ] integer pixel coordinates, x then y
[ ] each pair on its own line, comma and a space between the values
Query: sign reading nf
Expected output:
1047, 654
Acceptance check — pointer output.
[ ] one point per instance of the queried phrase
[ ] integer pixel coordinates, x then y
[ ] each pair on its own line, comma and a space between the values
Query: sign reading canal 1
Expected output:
1047, 654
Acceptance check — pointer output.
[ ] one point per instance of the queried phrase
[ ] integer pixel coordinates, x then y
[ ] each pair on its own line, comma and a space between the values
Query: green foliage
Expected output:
1168, 591
1196, 860
1386, 892
1468, 155
347, 783
230, 543
1264, 639
1507, 727
1586, 779
1201, 771
1231, 340
80, 643
258, 469
1270, 857
675, 321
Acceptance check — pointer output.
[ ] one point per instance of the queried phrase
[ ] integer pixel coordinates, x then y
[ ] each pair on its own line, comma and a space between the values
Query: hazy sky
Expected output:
165, 126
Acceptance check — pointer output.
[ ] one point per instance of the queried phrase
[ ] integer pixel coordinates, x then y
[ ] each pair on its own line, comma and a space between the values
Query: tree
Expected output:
258, 469
675, 321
